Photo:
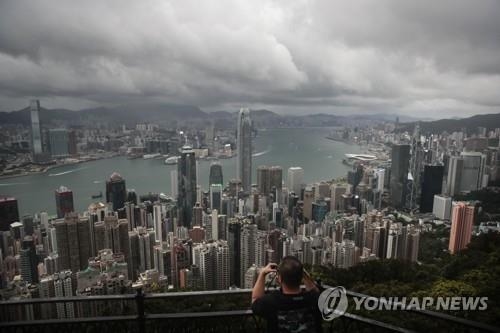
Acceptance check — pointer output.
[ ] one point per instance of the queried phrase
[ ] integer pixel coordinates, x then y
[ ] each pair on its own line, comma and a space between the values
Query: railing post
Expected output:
141, 316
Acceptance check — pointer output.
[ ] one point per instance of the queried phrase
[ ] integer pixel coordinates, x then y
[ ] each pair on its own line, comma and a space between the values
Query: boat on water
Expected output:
150, 156
361, 157
172, 160
97, 196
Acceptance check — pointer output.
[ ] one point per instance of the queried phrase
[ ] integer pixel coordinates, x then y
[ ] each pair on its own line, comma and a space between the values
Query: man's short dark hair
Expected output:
290, 271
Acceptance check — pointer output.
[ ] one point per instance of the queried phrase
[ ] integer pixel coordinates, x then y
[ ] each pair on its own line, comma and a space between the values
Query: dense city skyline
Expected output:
238, 165
401, 188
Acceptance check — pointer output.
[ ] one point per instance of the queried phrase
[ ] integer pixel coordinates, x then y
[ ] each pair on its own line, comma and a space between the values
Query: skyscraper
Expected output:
264, 179
473, 171
36, 133
248, 239
116, 191
216, 197
432, 184
399, 174
442, 207
337, 190
59, 142
276, 177
455, 166
73, 242
295, 179
216, 174
64, 201
186, 173
308, 201
63, 287
9, 212
462, 220
173, 183
29, 261
213, 261
234, 243
465, 172
244, 143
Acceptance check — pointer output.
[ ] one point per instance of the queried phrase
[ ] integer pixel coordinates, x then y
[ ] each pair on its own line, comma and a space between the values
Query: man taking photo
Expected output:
289, 309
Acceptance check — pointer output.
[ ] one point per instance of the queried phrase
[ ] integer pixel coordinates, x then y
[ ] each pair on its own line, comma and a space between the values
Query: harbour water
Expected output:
308, 148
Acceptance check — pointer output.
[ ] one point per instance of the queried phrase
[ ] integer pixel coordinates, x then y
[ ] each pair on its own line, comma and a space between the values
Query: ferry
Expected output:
361, 157
172, 160
150, 156
97, 196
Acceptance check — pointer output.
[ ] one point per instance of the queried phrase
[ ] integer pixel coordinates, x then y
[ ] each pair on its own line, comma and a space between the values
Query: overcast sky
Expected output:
427, 58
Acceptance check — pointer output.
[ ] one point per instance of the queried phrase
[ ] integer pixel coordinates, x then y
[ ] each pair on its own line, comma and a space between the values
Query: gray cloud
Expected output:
424, 57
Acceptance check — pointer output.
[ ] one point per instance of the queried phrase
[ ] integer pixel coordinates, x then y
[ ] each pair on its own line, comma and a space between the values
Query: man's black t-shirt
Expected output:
289, 312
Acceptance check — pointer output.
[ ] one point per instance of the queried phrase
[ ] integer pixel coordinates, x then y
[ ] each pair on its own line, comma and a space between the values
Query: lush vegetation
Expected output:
472, 272
490, 202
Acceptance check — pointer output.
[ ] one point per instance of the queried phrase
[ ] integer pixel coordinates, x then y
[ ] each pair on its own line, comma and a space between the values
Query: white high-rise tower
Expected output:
295, 179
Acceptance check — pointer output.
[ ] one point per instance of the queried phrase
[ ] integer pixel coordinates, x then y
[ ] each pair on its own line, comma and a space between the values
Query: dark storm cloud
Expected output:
430, 57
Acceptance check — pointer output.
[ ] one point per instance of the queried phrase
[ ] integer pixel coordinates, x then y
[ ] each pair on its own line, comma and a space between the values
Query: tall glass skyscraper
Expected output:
431, 185
116, 191
59, 142
216, 174
186, 190
9, 212
244, 142
36, 135
399, 174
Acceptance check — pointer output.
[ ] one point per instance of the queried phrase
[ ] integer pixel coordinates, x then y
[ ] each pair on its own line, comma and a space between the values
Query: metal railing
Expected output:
165, 312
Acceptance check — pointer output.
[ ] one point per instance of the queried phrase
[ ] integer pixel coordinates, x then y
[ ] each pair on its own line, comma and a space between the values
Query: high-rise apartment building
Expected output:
64, 201
73, 242
244, 147
251, 277
462, 220
248, 239
63, 287
213, 261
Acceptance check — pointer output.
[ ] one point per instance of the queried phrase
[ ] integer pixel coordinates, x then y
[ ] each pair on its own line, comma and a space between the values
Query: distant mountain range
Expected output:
173, 115
489, 121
